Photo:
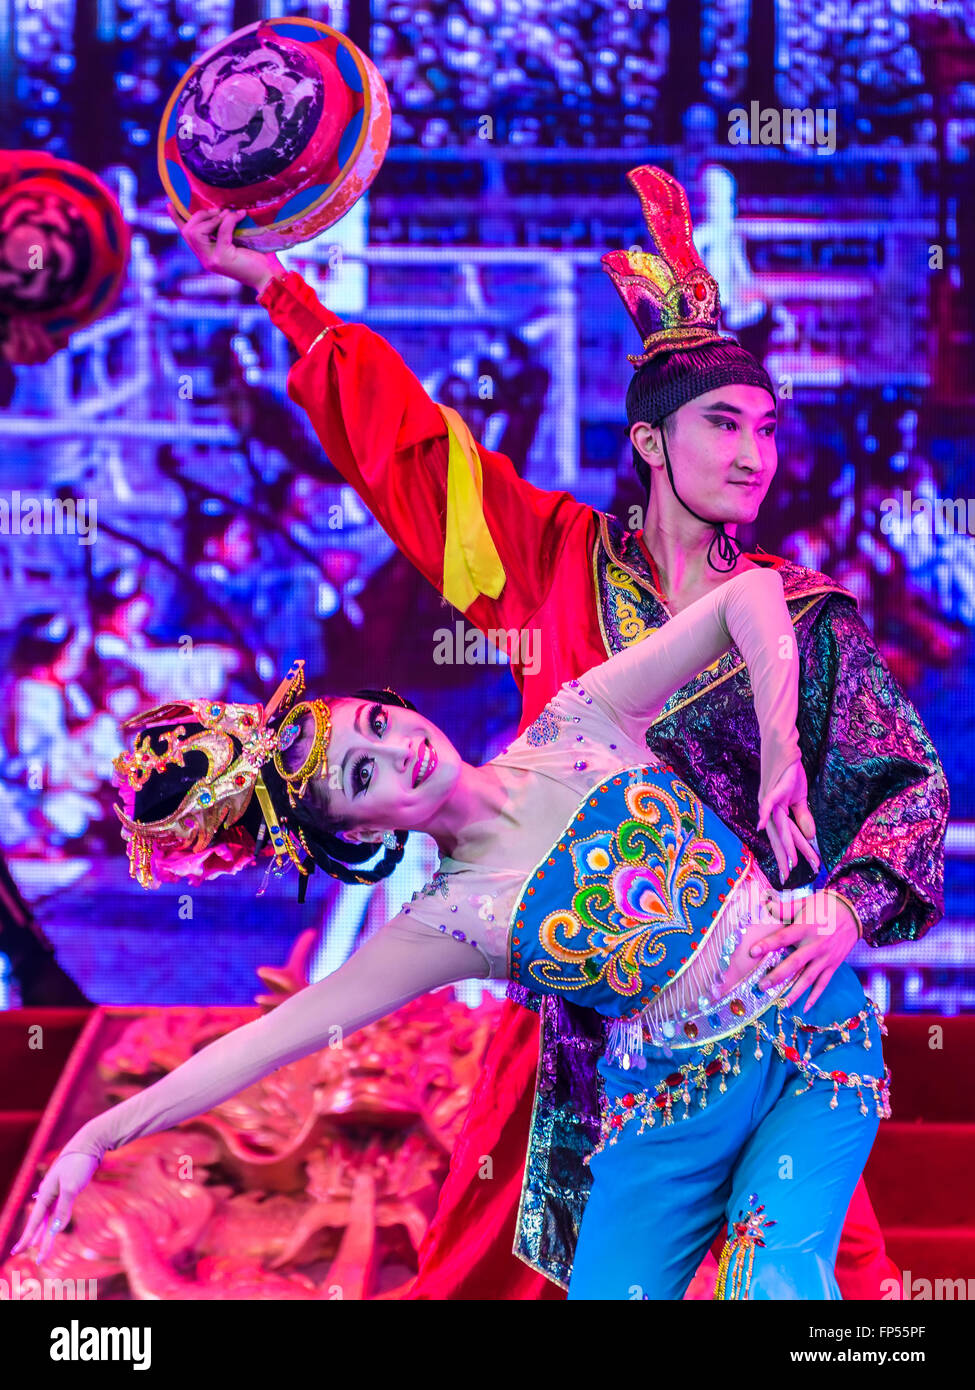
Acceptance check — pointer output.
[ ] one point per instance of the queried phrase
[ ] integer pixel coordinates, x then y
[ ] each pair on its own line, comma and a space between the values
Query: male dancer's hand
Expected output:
823, 930
209, 235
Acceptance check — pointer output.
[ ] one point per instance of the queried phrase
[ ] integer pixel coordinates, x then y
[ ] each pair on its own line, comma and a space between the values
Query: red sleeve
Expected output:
387, 438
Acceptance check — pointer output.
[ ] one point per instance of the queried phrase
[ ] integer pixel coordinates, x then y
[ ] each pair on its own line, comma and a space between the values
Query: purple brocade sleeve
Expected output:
877, 789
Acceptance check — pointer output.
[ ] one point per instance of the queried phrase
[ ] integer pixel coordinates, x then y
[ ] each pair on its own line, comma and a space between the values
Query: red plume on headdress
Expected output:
668, 292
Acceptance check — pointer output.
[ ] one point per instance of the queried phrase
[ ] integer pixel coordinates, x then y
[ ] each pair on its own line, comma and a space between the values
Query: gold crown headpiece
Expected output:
177, 845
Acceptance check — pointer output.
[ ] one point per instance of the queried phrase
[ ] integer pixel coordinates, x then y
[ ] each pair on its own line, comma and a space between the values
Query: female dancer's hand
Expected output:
209, 235
66, 1177
789, 837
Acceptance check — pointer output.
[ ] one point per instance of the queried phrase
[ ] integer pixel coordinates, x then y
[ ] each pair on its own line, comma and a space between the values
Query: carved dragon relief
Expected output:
318, 1182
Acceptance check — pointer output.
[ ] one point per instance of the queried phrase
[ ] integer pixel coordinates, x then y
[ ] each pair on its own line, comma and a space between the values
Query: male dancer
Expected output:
514, 556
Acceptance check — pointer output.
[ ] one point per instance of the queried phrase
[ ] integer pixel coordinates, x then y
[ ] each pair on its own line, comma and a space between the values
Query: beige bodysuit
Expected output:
457, 926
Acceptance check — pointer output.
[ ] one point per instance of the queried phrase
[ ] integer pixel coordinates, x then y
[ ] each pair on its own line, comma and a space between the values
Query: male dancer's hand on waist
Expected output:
823, 931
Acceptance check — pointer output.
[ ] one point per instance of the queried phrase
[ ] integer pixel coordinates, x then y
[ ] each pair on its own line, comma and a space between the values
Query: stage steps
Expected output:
919, 1171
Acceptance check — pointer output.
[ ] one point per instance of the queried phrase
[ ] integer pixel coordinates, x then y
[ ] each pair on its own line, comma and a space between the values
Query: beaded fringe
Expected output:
676, 1086
625, 1036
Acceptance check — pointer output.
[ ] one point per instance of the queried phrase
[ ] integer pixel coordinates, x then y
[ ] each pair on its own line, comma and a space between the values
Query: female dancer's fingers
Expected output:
775, 840
791, 844
801, 845
803, 817
62, 1215
34, 1220
781, 818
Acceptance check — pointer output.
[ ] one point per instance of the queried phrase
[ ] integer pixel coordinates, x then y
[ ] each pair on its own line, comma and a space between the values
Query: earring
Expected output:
389, 839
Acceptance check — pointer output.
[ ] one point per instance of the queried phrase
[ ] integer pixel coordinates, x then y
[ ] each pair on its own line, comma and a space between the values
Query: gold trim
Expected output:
595, 584
315, 341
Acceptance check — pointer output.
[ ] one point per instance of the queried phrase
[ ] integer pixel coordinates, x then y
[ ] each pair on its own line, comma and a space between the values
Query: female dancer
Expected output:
576, 864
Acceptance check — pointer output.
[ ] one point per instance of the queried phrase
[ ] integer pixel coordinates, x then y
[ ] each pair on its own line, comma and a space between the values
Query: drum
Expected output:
64, 245
285, 118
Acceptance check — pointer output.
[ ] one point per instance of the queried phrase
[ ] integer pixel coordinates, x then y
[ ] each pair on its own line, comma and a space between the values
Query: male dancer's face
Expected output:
722, 452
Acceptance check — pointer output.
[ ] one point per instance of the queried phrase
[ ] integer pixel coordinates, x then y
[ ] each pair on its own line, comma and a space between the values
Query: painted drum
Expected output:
64, 244
285, 118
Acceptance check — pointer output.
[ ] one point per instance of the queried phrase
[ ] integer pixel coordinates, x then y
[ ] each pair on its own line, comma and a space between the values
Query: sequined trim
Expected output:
545, 729
676, 1086
436, 885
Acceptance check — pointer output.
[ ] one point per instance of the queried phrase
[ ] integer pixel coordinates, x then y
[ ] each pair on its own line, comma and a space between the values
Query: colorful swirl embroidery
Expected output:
635, 887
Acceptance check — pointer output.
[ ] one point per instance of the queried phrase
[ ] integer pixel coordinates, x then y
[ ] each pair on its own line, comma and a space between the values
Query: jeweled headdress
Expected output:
668, 291
203, 835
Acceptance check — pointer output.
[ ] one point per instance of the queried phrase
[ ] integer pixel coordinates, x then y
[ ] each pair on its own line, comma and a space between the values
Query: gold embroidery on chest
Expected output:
631, 624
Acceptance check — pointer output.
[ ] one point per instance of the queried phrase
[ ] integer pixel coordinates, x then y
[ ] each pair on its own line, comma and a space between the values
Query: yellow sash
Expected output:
471, 563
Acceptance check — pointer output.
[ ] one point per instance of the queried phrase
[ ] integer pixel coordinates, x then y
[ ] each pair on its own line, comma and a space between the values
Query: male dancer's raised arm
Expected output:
388, 438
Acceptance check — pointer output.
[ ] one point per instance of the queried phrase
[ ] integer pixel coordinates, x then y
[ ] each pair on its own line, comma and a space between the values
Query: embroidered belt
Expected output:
676, 1087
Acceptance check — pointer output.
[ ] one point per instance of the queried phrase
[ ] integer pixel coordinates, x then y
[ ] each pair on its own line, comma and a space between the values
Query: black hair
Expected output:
163, 792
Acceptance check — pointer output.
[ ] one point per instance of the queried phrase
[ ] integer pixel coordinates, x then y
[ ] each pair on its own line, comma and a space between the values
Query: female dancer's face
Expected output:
388, 768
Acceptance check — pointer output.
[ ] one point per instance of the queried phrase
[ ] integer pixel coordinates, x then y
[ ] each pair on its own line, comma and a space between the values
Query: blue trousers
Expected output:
659, 1197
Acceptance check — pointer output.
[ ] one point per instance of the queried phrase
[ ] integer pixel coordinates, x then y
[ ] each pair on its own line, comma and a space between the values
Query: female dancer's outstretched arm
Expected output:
749, 612
401, 961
